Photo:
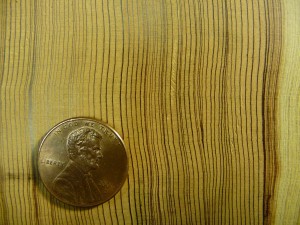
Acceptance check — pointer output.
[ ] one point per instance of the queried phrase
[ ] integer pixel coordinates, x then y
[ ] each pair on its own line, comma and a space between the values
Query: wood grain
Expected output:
204, 93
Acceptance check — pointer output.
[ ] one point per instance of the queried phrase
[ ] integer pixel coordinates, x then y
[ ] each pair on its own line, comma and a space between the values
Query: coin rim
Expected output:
96, 121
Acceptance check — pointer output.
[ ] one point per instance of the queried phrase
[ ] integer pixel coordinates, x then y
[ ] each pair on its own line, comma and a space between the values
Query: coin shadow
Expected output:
40, 188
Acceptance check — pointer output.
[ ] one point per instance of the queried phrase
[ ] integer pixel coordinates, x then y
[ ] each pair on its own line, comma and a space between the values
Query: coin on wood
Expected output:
82, 162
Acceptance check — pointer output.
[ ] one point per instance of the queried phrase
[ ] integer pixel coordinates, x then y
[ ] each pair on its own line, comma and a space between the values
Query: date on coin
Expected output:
82, 162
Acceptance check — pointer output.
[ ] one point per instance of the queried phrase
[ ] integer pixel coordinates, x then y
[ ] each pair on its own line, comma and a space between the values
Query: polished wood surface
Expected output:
204, 93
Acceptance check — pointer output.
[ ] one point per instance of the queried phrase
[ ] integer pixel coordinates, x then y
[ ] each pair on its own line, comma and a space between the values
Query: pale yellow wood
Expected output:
204, 93
287, 209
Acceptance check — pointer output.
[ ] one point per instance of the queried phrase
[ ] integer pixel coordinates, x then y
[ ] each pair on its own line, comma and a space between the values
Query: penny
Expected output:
82, 162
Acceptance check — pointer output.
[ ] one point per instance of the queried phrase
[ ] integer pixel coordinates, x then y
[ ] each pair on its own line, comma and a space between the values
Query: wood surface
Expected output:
205, 94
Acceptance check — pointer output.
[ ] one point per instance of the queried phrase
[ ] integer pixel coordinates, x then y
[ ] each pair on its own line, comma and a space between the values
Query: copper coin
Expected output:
82, 162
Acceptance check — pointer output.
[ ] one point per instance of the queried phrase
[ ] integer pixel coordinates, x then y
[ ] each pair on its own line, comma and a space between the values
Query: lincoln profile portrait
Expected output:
75, 182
